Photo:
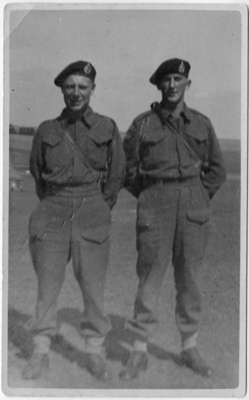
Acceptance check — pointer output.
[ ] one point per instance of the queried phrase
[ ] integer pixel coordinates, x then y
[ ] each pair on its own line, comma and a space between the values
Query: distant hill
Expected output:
230, 144
231, 153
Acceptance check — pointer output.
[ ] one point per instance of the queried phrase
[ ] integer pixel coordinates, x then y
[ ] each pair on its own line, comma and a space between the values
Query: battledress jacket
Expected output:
157, 148
53, 163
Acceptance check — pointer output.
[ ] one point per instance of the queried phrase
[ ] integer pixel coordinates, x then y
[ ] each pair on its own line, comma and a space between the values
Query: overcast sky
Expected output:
125, 46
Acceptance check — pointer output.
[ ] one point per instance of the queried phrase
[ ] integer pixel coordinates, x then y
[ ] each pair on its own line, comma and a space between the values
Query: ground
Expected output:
219, 332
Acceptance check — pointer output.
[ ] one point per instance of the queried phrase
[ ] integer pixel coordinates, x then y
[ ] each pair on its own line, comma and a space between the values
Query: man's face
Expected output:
77, 90
173, 87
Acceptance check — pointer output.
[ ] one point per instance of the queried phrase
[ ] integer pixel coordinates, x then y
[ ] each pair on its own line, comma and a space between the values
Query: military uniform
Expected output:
77, 162
73, 217
174, 168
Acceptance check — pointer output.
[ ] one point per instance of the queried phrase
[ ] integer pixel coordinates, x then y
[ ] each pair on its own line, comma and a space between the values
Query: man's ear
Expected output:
189, 83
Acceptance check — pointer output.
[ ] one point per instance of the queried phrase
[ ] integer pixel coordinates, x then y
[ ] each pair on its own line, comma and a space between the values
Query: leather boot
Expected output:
96, 365
36, 367
192, 359
137, 363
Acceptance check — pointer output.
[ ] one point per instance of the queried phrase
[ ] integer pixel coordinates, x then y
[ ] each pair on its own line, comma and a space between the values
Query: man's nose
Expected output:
172, 82
76, 91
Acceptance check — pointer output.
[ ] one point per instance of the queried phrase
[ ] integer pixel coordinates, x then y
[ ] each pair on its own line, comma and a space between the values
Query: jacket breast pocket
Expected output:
56, 152
152, 147
97, 149
198, 142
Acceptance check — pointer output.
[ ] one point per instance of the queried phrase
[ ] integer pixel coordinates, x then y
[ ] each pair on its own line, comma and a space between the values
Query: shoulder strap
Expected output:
77, 149
101, 178
141, 133
188, 144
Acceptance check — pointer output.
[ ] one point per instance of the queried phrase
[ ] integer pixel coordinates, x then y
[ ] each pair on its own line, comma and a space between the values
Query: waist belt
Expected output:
72, 189
149, 180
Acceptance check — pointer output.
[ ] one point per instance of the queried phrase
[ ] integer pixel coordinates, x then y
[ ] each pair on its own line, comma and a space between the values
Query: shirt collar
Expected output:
186, 113
165, 114
86, 116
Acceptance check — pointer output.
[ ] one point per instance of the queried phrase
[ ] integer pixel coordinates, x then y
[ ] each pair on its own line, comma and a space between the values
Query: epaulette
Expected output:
45, 125
194, 111
101, 115
110, 122
142, 116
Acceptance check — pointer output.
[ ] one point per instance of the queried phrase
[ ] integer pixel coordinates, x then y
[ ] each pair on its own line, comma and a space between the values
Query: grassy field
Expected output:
220, 288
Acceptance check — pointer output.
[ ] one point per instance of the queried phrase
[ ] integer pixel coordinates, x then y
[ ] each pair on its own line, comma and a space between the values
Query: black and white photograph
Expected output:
124, 199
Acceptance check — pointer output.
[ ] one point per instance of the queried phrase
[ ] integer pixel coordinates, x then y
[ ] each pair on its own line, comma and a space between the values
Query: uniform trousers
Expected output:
73, 224
172, 226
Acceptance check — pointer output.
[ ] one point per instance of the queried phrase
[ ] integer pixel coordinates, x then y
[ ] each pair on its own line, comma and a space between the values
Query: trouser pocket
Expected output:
44, 219
95, 219
199, 216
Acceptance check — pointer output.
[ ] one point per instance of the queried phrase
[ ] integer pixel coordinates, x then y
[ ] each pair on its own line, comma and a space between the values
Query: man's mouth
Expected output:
76, 102
172, 93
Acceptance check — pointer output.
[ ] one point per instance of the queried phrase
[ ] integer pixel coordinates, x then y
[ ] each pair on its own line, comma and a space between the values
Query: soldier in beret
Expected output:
77, 162
174, 168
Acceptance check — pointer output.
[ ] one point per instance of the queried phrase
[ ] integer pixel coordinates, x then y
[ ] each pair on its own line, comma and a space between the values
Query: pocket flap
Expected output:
97, 234
44, 219
52, 139
198, 216
38, 222
200, 135
94, 219
154, 136
100, 137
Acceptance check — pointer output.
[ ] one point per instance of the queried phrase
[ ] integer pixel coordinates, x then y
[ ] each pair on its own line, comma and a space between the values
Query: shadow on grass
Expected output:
20, 336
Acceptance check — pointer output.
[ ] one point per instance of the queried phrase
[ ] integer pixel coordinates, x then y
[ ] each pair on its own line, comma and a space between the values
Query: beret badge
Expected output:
87, 69
181, 68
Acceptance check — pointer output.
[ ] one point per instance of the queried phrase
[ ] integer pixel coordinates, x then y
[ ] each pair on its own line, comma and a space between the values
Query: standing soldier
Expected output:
77, 162
174, 167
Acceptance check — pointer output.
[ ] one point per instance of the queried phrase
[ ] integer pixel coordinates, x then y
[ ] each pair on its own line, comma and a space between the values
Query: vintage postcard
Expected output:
124, 199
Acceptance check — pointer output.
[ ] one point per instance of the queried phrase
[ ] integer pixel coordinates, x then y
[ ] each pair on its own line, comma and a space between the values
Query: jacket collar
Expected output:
164, 114
86, 116
186, 113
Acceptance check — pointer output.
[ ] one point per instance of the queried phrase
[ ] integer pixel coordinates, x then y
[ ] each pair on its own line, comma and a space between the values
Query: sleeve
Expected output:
115, 169
131, 149
215, 174
36, 164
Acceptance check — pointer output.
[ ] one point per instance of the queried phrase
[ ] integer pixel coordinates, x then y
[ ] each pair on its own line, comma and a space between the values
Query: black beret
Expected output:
82, 67
172, 66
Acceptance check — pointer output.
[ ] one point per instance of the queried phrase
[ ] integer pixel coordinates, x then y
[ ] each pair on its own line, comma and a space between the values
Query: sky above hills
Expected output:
125, 46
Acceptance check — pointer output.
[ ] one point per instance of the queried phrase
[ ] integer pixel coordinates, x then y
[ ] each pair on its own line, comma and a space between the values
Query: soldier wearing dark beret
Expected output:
77, 163
83, 68
174, 168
